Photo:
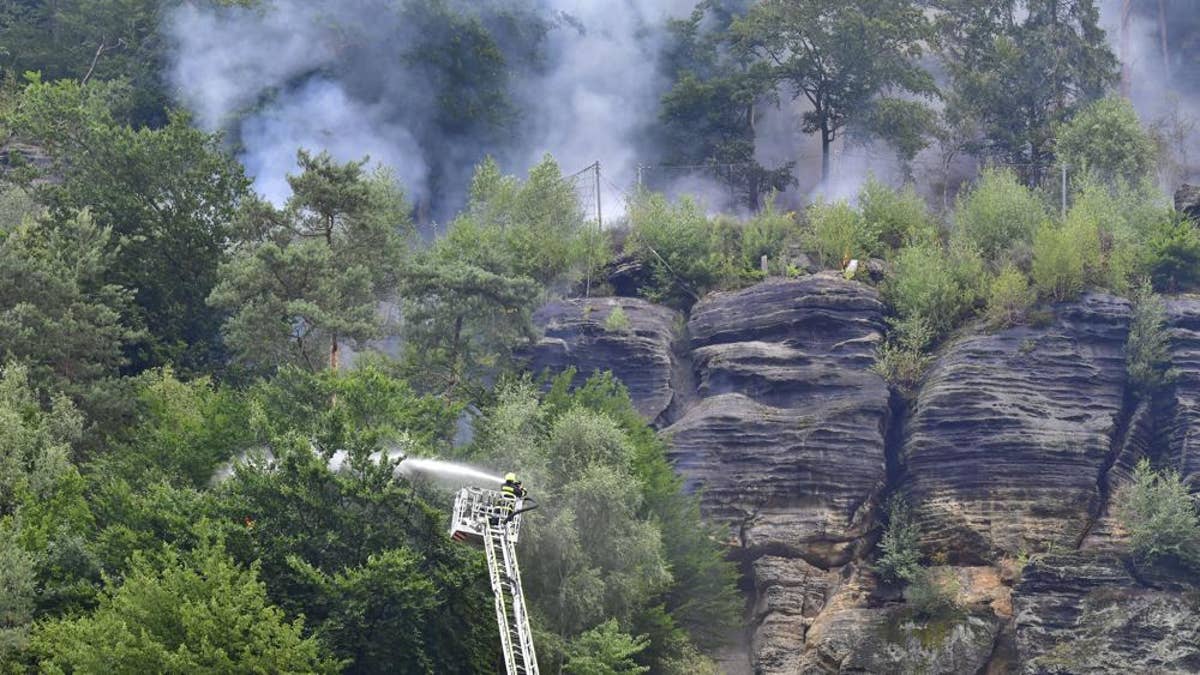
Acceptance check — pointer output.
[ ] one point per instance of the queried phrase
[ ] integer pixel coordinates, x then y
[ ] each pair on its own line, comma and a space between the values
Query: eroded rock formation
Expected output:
1010, 454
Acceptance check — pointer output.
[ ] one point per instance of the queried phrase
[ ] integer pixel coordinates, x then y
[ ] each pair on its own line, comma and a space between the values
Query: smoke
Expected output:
359, 77
1162, 89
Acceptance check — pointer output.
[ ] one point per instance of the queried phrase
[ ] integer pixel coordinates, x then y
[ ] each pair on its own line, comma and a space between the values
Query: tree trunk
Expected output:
333, 352
826, 142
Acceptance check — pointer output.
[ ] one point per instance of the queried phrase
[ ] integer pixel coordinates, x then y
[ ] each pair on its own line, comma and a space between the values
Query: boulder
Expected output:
1013, 433
582, 333
787, 439
1081, 612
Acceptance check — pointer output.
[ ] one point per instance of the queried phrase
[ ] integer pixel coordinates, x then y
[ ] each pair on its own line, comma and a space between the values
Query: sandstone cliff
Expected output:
1009, 454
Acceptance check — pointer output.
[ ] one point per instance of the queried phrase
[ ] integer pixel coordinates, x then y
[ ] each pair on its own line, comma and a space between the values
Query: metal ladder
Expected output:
516, 638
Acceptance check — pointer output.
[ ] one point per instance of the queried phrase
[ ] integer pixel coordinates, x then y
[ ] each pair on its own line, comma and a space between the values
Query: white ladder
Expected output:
516, 638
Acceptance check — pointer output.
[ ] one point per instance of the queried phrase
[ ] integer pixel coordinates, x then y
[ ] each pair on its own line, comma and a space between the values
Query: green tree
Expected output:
899, 216
537, 226
168, 195
605, 650
1160, 515
716, 98
91, 40
463, 321
900, 546
18, 585
838, 233
1147, 350
998, 215
199, 613
1019, 68
674, 241
1009, 298
935, 287
808, 49
307, 278
1170, 254
60, 315
1058, 263
1107, 138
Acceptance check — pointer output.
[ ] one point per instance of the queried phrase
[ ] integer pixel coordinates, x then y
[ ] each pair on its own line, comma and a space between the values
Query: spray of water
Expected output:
446, 472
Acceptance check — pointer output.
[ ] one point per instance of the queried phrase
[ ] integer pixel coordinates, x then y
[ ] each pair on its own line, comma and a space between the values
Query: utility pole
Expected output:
587, 289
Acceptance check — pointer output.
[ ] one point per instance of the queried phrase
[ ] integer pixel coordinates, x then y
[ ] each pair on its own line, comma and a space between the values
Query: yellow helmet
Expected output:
510, 477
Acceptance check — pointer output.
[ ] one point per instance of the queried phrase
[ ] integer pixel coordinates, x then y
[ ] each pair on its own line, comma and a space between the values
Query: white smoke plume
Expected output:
331, 75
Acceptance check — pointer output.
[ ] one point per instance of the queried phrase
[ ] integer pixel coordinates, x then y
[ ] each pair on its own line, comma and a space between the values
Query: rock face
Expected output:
787, 440
1181, 427
1014, 446
1079, 612
583, 334
1012, 433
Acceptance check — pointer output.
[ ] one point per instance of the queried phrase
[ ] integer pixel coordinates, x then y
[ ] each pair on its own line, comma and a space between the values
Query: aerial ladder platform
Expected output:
491, 519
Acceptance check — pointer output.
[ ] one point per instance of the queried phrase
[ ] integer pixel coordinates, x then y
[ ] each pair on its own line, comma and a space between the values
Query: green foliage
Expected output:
1171, 254
805, 50
675, 242
901, 361
1160, 516
615, 538
837, 232
199, 612
616, 321
605, 650
708, 116
766, 234
16, 204
937, 286
462, 320
900, 547
998, 215
1018, 72
1059, 262
933, 593
1009, 298
18, 585
536, 227
1107, 138
311, 276
897, 217
59, 315
183, 430
168, 196
1147, 350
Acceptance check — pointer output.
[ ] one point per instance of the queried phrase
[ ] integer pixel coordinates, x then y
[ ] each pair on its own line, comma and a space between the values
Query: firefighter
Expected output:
511, 492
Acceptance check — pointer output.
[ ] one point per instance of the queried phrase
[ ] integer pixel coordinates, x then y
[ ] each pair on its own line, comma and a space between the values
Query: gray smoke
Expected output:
1165, 97
339, 75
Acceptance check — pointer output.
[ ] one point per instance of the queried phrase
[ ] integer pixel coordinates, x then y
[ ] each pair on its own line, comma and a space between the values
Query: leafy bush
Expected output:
617, 321
900, 217
1058, 263
1009, 297
998, 214
1147, 360
937, 285
766, 234
900, 546
1107, 138
1171, 254
837, 232
933, 593
1160, 516
901, 361
675, 242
